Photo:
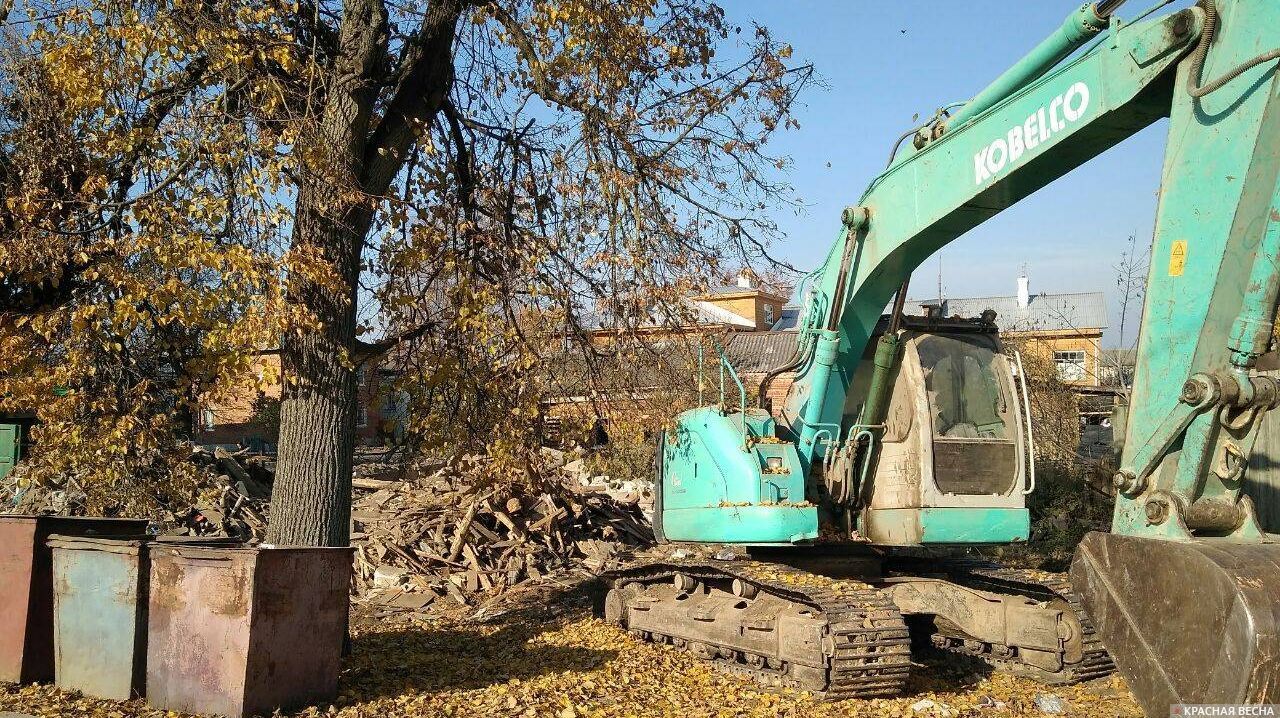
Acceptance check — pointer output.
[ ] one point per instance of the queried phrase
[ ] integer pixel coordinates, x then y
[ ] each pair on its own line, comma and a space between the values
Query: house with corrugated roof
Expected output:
660, 353
1064, 327
745, 306
755, 307
758, 332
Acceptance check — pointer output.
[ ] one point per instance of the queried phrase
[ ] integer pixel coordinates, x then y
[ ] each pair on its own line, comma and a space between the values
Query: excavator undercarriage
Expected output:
1030, 623
841, 637
784, 627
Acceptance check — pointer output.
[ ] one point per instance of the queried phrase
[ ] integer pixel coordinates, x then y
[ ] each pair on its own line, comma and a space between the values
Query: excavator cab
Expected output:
950, 466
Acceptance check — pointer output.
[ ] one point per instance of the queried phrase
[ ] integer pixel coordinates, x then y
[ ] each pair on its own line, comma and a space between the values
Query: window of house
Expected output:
1070, 365
207, 419
362, 413
769, 318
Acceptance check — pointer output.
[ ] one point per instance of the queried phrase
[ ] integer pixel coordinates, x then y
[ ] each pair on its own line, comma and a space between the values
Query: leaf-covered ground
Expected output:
556, 661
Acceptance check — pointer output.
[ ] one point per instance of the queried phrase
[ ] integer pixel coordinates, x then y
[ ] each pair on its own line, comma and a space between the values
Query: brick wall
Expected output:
1088, 341
750, 305
778, 388
230, 419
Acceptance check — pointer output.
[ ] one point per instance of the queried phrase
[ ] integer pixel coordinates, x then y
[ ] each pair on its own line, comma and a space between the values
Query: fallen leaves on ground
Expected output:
580, 667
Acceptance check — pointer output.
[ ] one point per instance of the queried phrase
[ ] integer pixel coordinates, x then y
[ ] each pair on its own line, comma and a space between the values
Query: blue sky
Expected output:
1070, 235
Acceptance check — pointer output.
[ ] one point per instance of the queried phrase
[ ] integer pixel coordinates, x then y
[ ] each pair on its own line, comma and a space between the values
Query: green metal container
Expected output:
99, 615
10, 445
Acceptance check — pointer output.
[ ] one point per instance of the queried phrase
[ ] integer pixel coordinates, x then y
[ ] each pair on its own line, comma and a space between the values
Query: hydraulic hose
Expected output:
1198, 58
792, 363
797, 358
833, 319
1106, 8
894, 152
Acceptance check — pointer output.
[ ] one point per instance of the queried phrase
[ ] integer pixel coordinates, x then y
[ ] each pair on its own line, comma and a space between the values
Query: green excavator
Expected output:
904, 440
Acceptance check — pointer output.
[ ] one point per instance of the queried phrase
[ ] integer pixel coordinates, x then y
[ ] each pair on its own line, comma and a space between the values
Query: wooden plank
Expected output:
484, 532
360, 482
464, 528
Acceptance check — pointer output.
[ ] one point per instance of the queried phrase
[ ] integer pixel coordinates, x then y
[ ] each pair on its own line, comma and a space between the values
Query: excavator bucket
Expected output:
1194, 622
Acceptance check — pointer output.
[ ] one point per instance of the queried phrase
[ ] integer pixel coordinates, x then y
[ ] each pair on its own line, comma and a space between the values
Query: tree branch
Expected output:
161, 105
541, 82
462, 162
308, 22
425, 77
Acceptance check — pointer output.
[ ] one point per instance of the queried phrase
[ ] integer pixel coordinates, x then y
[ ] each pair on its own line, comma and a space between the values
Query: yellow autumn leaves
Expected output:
582, 668
144, 252
599, 158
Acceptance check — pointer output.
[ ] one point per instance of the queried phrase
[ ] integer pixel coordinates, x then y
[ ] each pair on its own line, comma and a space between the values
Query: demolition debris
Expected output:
417, 542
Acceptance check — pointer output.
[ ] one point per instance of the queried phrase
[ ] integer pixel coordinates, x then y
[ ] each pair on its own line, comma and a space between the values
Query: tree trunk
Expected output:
311, 499
348, 162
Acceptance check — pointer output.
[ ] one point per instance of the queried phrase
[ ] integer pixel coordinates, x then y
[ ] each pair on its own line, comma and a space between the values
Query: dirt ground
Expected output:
545, 656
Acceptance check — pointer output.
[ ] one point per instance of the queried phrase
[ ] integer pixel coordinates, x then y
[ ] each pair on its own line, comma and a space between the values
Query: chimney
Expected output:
745, 279
1024, 291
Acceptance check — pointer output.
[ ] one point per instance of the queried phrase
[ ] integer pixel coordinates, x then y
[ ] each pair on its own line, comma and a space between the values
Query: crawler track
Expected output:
1038, 585
856, 642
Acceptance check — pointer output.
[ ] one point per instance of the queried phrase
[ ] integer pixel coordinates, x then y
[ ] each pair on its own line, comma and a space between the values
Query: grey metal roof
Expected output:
735, 289
789, 320
1044, 312
759, 352
727, 289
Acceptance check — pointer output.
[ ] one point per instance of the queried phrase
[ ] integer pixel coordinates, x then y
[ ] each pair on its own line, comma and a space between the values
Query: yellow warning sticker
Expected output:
1178, 258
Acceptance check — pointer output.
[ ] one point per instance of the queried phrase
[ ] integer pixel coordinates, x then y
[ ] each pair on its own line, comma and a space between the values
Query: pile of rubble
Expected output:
20, 497
238, 488
419, 541
235, 503
627, 491
228, 496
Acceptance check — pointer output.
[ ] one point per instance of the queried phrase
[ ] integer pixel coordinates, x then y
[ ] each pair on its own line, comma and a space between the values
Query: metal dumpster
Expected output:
99, 620
100, 589
245, 631
26, 588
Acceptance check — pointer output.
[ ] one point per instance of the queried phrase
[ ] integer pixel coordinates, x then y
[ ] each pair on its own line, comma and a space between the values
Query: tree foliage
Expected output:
470, 186
1055, 409
594, 164
140, 264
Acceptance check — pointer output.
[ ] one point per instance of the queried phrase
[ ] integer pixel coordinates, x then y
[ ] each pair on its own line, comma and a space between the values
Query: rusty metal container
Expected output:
26, 588
245, 631
100, 593
99, 615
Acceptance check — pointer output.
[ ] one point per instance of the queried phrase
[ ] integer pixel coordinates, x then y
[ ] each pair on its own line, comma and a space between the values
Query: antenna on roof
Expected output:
939, 276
